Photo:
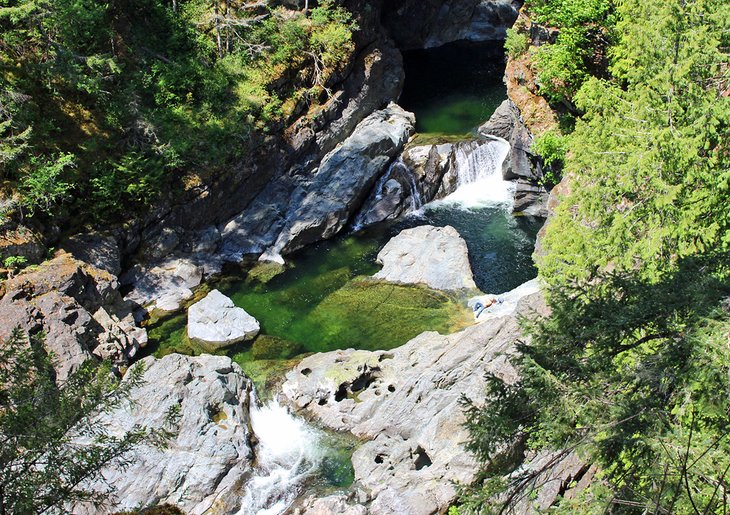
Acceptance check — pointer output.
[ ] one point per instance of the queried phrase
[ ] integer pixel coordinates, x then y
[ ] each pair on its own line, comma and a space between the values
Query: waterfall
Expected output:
288, 453
399, 171
479, 175
415, 195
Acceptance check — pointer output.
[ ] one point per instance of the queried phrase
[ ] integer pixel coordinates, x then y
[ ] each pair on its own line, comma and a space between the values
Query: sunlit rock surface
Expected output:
406, 404
78, 308
218, 323
434, 256
210, 454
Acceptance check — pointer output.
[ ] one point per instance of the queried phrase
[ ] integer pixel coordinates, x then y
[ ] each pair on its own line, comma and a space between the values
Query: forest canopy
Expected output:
631, 368
104, 105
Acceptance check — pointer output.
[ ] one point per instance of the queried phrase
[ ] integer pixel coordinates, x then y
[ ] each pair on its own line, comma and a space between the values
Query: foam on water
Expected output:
288, 453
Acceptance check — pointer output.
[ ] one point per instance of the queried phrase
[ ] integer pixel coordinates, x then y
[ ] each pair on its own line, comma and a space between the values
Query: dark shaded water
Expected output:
454, 88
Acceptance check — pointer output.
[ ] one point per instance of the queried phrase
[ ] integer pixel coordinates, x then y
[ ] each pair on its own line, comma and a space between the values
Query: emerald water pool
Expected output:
454, 88
324, 300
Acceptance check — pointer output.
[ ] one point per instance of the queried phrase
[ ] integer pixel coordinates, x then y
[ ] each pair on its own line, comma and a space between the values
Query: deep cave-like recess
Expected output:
454, 88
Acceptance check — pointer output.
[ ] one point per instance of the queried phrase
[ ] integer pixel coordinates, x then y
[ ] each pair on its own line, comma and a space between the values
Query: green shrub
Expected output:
15, 262
551, 146
45, 184
516, 43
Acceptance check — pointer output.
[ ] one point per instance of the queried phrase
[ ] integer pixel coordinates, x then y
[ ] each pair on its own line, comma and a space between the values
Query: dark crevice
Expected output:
341, 393
362, 382
422, 459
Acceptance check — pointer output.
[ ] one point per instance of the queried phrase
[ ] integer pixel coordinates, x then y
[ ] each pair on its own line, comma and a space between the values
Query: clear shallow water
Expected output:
454, 88
323, 300
500, 245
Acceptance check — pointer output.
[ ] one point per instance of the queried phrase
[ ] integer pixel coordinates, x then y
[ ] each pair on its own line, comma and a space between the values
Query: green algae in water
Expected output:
323, 300
373, 315
361, 314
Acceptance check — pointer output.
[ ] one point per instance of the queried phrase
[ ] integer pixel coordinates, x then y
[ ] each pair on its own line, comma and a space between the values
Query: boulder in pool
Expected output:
217, 322
434, 256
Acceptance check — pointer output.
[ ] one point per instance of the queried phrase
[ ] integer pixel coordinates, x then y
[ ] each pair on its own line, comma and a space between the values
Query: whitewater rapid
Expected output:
288, 454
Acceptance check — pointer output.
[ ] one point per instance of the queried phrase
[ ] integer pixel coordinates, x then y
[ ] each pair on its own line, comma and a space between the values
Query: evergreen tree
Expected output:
631, 367
50, 449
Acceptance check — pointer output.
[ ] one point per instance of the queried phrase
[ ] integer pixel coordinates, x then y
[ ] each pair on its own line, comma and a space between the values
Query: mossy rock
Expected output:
265, 272
265, 374
267, 347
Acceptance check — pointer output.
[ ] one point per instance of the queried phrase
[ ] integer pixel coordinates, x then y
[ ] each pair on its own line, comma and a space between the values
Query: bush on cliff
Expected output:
147, 95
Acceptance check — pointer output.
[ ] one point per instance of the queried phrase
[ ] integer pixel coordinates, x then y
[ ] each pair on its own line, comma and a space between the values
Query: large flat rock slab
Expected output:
434, 256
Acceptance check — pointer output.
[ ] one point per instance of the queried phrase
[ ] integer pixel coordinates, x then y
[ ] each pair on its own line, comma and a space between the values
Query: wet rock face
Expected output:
430, 23
507, 123
406, 404
434, 256
210, 454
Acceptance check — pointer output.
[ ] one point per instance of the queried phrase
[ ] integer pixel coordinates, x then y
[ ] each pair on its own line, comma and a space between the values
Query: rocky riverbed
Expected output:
318, 177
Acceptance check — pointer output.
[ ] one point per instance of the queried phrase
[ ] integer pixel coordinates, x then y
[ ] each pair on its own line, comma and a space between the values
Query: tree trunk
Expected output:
228, 28
216, 13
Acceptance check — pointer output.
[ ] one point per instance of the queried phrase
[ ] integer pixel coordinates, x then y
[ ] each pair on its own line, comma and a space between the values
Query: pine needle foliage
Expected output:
51, 449
631, 368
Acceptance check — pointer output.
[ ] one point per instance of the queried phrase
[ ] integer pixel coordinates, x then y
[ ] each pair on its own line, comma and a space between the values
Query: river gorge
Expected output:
393, 257
420, 150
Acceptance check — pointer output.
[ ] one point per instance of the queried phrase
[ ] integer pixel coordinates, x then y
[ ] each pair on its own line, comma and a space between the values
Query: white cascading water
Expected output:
479, 176
416, 199
398, 167
288, 453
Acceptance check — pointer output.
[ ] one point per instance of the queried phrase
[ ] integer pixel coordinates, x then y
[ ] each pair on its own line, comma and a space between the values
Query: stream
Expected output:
322, 299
